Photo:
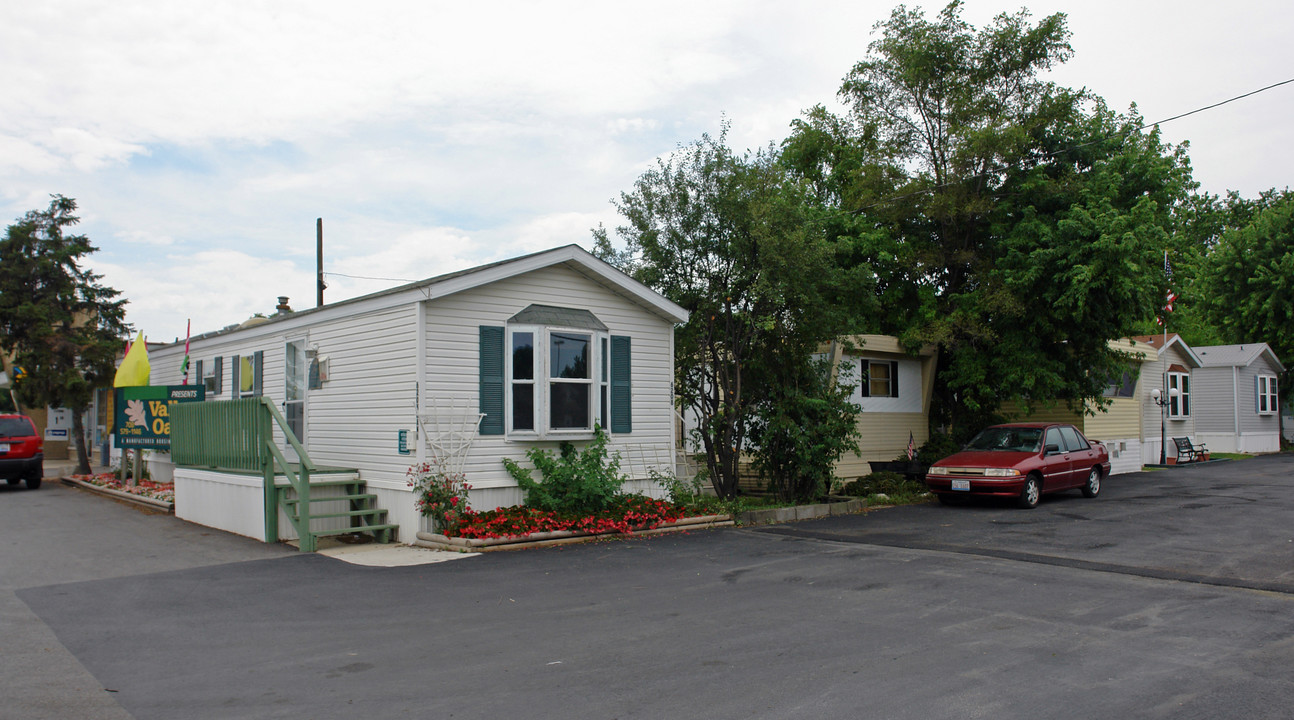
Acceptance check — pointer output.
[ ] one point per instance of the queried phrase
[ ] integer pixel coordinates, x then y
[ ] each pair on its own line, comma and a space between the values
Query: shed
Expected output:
486, 363
1236, 398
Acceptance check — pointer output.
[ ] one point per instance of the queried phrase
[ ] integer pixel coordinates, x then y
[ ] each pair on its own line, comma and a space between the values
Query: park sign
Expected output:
142, 414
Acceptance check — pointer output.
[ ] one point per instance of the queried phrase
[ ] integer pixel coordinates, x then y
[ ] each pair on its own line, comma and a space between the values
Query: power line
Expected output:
1090, 142
1218, 104
364, 277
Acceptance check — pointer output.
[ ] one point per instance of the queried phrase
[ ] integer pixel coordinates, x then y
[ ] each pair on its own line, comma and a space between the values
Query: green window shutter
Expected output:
197, 370
491, 379
258, 373
894, 379
621, 387
220, 375
234, 380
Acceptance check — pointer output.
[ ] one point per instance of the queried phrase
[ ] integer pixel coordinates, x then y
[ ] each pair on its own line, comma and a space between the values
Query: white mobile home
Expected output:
1236, 397
1170, 369
487, 362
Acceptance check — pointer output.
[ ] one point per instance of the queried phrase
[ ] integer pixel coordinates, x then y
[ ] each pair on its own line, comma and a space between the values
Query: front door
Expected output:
294, 391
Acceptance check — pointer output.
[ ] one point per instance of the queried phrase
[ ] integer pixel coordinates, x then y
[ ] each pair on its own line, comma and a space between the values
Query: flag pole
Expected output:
184, 365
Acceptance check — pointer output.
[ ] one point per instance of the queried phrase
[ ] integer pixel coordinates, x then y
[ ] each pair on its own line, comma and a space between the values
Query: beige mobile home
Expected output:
894, 389
1119, 426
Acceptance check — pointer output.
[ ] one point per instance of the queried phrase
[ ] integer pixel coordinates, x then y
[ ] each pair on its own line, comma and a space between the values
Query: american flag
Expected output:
912, 446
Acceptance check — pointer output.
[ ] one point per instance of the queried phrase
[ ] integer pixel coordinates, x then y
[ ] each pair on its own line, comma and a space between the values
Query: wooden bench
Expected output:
1189, 450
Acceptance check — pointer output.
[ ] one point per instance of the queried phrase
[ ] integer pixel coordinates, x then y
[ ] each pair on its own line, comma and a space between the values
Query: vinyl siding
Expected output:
453, 355
1121, 420
372, 390
1215, 392
1152, 376
884, 437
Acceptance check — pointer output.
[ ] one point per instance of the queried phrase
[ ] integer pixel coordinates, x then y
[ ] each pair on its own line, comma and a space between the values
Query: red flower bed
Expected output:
631, 513
144, 488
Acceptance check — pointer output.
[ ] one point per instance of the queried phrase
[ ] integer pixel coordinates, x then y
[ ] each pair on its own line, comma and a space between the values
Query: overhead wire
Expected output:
1090, 142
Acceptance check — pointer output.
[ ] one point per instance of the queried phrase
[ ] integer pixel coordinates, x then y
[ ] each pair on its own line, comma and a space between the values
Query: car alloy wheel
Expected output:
1093, 486
1031, 493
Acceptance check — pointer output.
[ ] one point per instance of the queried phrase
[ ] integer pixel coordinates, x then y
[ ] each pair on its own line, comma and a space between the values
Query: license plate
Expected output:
961, 484
4, 447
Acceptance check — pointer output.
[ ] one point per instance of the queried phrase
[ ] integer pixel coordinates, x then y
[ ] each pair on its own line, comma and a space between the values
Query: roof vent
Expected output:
282, 308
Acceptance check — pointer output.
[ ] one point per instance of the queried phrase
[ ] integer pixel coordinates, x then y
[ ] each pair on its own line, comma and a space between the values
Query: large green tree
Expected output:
733, 239
1015, 224
62, 325
1248, 280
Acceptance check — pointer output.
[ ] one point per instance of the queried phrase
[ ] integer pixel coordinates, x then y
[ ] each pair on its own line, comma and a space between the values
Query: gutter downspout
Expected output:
420, 379
1235, 403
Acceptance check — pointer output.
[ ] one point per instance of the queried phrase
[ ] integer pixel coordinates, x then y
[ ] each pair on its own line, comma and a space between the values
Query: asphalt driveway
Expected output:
1224, 523
1168, 597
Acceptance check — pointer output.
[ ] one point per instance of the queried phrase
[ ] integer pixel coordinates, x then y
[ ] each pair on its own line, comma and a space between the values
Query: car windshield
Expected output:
1010, 439
14, 427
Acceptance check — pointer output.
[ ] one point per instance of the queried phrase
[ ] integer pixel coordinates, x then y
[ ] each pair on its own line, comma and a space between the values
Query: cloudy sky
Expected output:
203, 139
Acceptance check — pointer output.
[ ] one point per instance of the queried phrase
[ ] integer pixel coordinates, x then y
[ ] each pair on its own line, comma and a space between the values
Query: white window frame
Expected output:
247, 363
1267, 395
1179, 407
598, 382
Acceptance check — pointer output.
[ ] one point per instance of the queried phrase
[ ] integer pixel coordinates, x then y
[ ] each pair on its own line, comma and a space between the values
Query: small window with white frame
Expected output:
1267, 403
1179, 403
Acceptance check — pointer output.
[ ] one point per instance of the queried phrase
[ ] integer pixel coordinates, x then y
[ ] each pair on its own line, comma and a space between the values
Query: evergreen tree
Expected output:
63, 327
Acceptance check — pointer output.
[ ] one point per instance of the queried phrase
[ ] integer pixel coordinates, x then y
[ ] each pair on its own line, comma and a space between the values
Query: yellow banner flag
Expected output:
134, 369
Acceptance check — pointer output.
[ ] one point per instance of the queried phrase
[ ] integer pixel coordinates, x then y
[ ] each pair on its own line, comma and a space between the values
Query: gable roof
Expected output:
1242, 355
1161, 343
572, 256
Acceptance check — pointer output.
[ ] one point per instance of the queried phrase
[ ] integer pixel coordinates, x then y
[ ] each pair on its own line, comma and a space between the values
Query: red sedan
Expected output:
1022, 461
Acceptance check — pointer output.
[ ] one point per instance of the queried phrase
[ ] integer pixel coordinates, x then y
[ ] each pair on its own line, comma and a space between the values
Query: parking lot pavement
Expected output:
730, 623
1228, 523
57, 535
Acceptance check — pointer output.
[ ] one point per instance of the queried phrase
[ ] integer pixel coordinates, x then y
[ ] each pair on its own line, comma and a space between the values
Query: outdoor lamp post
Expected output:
1163, 403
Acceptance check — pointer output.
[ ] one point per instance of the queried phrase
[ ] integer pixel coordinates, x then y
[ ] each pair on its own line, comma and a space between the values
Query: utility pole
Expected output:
319, 282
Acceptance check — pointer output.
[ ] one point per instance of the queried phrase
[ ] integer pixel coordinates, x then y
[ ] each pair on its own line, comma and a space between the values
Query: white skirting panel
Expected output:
1125, 455
1252, 443
236, 503
225, 501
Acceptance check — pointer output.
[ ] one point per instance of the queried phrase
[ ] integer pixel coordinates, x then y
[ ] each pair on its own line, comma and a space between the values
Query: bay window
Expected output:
553, 380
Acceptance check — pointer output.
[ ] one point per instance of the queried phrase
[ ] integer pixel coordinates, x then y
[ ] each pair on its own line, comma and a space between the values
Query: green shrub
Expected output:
574, 482
878, 482
938, 447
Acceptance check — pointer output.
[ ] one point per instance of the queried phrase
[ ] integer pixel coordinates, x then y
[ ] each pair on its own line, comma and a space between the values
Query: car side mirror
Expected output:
1053, 448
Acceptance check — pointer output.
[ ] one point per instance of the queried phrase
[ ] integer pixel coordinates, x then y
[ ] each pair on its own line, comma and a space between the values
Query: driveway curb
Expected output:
150, 503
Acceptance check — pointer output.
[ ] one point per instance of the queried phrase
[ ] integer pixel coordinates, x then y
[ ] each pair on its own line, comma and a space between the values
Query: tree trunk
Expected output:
78, 434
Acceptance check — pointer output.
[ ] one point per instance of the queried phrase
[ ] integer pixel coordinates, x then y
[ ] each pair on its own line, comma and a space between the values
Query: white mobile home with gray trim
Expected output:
1170, 369
1236, 393
537, 348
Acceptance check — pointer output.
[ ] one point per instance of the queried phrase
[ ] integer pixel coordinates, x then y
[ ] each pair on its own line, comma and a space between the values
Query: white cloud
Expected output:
203, 139
144, 237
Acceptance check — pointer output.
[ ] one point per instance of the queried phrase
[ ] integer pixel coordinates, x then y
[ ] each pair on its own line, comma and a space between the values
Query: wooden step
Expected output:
329, 498
384, 528
282, 482
349, 513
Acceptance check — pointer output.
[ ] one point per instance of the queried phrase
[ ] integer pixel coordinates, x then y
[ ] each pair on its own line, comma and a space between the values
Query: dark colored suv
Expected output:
22, 451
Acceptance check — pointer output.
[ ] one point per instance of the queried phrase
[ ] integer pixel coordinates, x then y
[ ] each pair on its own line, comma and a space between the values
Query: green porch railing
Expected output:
239, 435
